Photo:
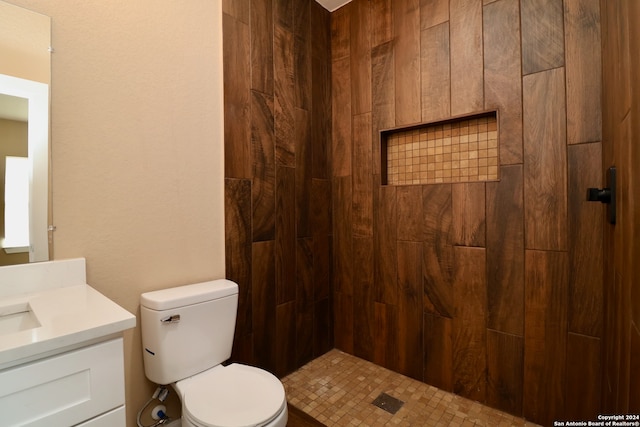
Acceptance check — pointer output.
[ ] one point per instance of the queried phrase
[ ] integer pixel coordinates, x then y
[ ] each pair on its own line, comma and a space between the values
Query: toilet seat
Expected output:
232, 396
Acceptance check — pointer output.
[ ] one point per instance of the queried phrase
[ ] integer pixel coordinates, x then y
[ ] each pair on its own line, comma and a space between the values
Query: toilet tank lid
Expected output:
180, 296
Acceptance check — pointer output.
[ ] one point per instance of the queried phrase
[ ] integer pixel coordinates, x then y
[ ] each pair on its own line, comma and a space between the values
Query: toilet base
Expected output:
279, 421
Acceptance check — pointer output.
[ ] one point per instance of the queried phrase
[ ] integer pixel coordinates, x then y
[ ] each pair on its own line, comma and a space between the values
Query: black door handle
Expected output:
602, 195
606, 195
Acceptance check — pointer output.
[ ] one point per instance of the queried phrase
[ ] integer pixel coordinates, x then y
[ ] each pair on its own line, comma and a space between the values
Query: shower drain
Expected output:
388, 403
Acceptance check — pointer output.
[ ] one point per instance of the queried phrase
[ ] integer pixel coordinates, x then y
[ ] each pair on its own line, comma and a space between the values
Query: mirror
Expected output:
25, 70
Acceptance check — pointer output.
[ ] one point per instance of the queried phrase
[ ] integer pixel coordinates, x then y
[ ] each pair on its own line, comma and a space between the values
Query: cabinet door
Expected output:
64, 390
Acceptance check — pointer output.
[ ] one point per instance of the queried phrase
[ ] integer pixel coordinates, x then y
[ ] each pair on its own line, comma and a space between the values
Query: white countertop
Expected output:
69, 317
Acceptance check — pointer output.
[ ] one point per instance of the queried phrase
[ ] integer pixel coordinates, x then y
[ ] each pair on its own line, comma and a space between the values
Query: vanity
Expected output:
61, 348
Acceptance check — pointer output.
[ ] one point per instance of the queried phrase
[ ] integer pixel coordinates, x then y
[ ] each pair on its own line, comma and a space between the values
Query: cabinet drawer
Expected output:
64, 390
115, 418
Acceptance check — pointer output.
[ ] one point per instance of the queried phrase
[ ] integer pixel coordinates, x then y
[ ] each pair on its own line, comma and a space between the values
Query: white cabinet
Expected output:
117, 417
80, 387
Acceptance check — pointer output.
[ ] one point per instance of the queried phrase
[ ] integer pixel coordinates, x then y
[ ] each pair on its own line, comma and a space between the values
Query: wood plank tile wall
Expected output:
471, 288
621, 133
491, 290
277, 105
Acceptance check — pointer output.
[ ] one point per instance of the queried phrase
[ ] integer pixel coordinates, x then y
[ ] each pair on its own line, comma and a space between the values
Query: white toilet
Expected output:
187, 332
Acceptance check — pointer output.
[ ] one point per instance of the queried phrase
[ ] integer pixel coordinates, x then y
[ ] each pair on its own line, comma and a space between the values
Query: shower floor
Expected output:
338, 389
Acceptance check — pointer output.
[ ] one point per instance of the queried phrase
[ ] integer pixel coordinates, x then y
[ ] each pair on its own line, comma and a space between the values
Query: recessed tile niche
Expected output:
463, 149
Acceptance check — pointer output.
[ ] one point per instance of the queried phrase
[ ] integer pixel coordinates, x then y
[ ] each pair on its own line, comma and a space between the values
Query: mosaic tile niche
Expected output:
459, 150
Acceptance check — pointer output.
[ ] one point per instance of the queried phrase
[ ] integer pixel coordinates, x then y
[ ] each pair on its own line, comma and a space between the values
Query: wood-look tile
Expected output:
410, 218
283, 13
322, 258
302, 53
304, 273
360, 54
438, 351
505, 371
239, 9
467, 87
362, 176
545, 161
263, 297
634, 371
276, 57
623, 332
545, 335
610, 345
285, 235
322, 327
284, 96
613, 104
634, 159
302, 124
433, 12
304, 301
387, 350
341, 146
302, 18
343, 322
382, 18
302, 71
505, 252
342, 237
622, 259
237, 195
285, 338
584, 372
320, 91
623, 72
584, 70
383, 86
261, 45
385, 245
406, 24
383, 108
585, 241
502, 74
320, 208
242, 349
469, 323
380, 325
542, 35
363, 298
410, 309
264, 168
438, 262
237, 101
435, 73
341, 33
468, 208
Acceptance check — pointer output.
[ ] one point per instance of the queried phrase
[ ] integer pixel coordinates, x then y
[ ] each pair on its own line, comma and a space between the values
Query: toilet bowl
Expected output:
235, 395
187, 333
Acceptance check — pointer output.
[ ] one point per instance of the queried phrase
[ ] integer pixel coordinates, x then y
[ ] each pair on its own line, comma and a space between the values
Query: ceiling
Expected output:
332, 5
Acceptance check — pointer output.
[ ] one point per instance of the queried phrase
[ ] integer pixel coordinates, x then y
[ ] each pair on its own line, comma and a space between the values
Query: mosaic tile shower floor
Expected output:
338, 389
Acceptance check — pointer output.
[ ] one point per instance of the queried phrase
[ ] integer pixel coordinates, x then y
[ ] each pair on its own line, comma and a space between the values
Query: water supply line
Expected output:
159, 411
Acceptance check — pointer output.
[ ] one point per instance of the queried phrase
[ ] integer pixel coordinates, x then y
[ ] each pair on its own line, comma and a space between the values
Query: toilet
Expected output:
187, 332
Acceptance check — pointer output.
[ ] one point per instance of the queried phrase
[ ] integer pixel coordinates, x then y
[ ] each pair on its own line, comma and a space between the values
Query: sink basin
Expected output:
16, 318
46, 308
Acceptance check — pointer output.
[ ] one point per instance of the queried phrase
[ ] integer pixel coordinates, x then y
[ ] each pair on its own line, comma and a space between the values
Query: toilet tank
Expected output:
187, 329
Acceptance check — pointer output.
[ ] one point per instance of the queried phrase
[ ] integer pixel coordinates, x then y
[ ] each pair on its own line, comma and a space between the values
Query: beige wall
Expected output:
137, 149
26, 57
